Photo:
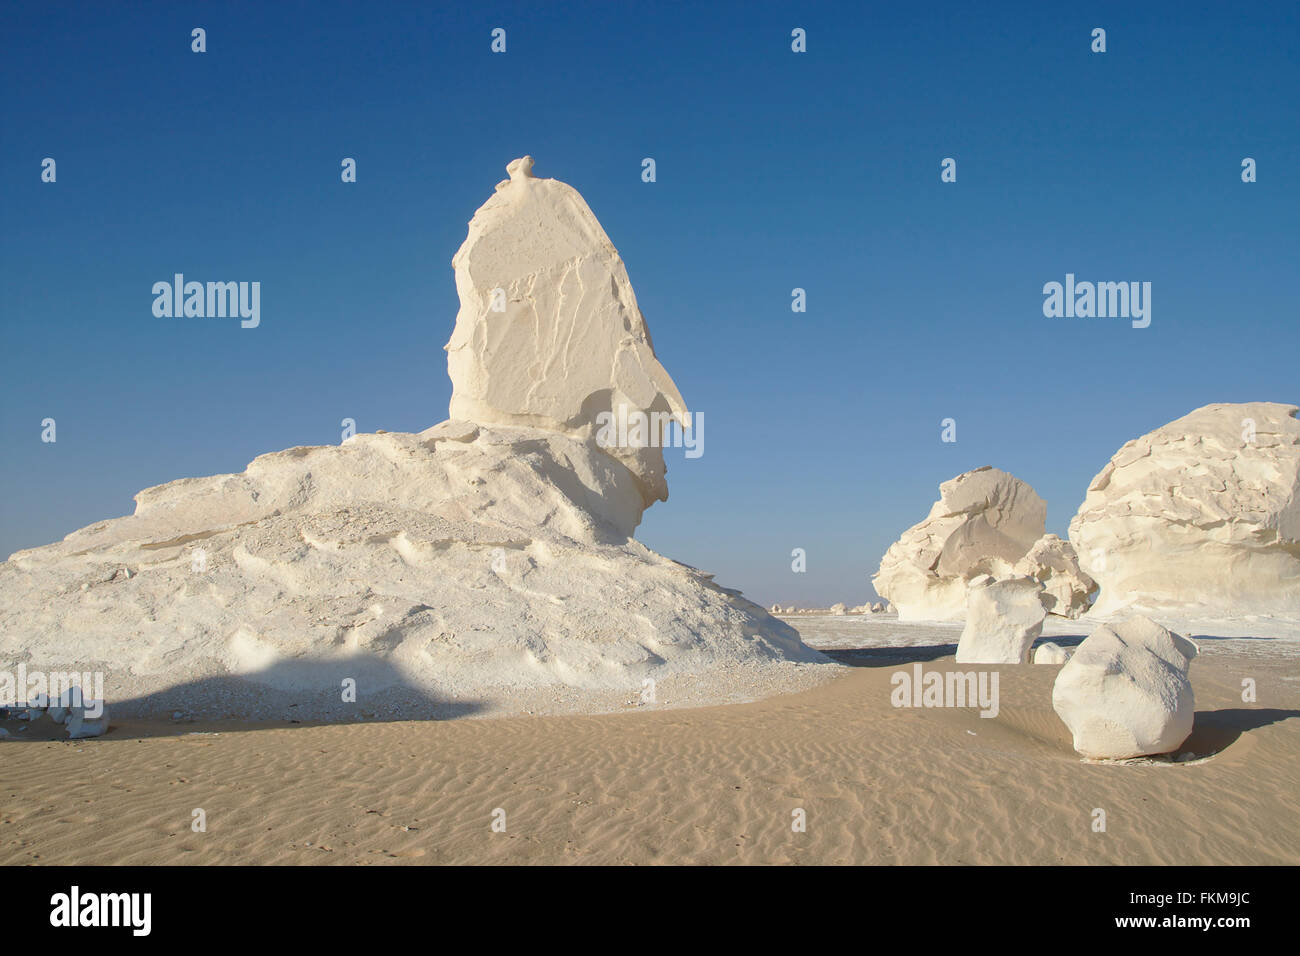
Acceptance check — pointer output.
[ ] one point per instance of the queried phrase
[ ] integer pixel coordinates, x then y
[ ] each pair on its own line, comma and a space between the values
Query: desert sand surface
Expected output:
707, 785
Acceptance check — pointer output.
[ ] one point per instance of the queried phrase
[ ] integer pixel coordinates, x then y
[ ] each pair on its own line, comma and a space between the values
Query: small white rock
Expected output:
1050, 653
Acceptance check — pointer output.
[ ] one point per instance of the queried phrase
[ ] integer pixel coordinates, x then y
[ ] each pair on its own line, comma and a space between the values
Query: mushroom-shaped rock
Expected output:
1200, 516
984, 522
1126, 692
1050, 653
1003, 619
549, 333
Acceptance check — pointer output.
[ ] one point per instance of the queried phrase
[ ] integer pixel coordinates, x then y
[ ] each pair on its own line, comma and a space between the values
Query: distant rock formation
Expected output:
439, 571
1201, 515
984, 522
1125, 692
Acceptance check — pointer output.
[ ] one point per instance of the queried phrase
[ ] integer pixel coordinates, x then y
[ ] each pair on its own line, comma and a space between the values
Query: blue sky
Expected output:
775, 170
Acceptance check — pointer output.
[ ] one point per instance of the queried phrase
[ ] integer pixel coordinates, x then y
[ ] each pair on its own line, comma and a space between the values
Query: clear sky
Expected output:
775, 170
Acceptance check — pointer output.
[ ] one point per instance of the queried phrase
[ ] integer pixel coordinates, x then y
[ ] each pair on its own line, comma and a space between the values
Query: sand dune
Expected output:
707, 785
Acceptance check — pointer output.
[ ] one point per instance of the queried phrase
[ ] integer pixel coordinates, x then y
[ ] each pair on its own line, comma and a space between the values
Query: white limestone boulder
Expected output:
1201, 517
87, 719
1003, 619
984, 522
1053, 563
1050, 653
570, 341
1126, 692
838, 609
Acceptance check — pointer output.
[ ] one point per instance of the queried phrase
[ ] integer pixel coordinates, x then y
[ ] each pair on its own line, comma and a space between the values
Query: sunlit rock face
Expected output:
1201, 516
984, 522
434, 572
549, 334
1125, 692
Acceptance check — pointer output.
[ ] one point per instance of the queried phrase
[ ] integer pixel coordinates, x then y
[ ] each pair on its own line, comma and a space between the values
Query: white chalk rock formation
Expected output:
87, 719
69, 699
441, 572
1125, 692
569, 341
1201, 515
984, 522
838, 609
37, 707
1053, 563
1003, 619
1050, 653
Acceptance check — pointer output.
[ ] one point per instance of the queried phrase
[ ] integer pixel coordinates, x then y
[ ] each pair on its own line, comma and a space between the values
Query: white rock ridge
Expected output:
570, 342
1201, 516
1125, 692
984, 522
1003, 619
443, 572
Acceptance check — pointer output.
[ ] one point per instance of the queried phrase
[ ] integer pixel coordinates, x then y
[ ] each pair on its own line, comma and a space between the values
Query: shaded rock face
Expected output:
1003, 619
1125, 692
570, 341
984, 522
460, 565
1202, 514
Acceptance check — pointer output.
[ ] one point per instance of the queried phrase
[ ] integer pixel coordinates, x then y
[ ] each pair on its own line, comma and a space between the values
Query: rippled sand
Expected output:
708, 785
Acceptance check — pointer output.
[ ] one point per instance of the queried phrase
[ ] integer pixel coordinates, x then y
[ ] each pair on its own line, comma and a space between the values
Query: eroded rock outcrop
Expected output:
1126, 691
549, 333
984, 522
439, 572
1201, 515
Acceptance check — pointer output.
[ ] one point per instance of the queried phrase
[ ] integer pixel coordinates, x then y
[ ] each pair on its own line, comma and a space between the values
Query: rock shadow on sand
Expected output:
888, 656
287, 693
1216, 730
